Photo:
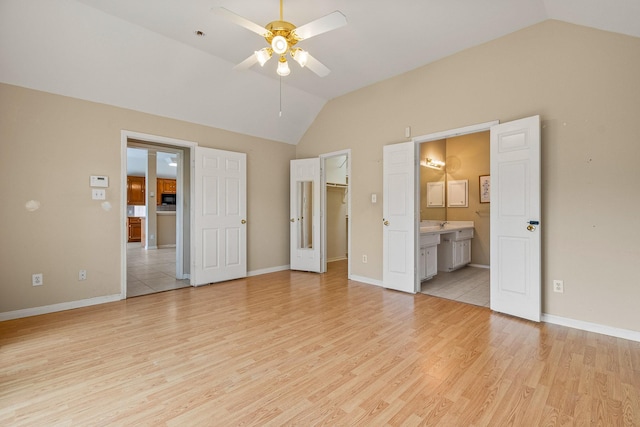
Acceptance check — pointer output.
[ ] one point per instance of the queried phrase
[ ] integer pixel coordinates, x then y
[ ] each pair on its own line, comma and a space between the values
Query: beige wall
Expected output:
51, 144
584, 84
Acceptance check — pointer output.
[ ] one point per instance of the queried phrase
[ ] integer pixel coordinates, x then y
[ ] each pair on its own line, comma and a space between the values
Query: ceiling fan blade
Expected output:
317, 67
247, 63
243, 22
321, 25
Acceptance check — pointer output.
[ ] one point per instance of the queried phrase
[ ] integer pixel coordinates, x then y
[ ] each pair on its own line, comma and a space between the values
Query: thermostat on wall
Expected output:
99, 181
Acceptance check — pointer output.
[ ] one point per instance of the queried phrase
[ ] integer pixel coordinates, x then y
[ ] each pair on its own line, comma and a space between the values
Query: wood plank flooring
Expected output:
294, 348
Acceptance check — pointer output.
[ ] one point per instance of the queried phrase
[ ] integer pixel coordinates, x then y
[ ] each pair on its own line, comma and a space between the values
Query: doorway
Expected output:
158, 259
515, 275
336, 211
462, 158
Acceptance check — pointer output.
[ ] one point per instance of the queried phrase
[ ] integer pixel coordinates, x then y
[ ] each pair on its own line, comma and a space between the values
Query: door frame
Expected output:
465, 130
323, 208
181, 248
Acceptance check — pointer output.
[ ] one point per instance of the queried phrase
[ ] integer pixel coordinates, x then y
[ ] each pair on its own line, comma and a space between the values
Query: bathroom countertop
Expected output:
433, 227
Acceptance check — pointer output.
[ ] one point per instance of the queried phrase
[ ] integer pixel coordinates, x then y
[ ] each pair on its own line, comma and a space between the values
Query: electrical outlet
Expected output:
82, 275
558, 286
37, 279
364, 259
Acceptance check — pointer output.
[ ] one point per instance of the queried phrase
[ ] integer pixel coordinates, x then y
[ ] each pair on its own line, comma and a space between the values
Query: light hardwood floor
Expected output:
293, 348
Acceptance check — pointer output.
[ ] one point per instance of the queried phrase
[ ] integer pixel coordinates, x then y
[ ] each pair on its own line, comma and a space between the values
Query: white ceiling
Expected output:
137, 163
144, 55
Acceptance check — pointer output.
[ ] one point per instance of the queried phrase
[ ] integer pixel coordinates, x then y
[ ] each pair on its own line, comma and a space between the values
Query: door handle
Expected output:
530, 227
244, 221
386, 223
292, 220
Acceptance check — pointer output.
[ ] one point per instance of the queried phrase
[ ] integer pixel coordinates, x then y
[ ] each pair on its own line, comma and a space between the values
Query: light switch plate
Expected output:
98, 194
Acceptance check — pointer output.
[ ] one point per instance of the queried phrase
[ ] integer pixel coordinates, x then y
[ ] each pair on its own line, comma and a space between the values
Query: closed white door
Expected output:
305, 218
219, 221
398, 222
515, 218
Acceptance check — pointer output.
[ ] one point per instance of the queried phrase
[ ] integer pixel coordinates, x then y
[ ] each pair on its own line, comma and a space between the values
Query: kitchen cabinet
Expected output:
454, 250
135, 190
166, 186
134, 228
428, 260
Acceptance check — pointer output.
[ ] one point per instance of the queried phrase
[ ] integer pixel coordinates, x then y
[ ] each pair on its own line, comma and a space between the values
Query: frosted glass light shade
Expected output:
279, 45
283, 68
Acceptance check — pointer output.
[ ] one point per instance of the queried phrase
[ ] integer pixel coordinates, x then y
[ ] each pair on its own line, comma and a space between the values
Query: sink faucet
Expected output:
442, 224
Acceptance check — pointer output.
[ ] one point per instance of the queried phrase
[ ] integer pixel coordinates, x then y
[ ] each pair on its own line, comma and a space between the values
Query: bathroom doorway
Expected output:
458, 158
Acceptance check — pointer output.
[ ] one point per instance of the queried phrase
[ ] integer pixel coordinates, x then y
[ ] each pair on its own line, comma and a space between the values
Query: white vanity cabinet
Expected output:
428, 262
454, 250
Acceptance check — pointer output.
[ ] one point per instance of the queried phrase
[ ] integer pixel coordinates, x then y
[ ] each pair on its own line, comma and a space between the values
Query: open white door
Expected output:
398, 209
515, 218
305, 215
220, 208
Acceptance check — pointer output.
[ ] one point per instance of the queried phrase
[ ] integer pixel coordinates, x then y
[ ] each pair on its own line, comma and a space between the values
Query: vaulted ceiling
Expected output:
145, 55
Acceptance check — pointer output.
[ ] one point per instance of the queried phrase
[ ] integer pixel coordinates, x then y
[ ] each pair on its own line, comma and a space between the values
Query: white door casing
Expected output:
305, 220
220, 209
515, 218
398, 224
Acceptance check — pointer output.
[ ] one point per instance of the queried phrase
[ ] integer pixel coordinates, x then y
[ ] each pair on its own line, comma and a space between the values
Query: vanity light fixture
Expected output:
431, 163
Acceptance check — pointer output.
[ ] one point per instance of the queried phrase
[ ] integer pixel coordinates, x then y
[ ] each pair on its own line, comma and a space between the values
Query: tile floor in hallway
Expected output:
469, 285
151, 271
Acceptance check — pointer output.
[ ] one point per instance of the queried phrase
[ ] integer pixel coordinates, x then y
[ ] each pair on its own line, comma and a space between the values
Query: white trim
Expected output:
167, 246
35, 311
367, 280
480, 127
592, 327
267, 270
338, 258
479, 265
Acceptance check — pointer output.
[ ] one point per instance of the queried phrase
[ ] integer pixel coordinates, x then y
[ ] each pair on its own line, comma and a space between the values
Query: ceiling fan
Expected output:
282, 37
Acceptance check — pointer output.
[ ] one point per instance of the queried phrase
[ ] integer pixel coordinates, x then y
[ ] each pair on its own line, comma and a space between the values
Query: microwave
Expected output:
168, 199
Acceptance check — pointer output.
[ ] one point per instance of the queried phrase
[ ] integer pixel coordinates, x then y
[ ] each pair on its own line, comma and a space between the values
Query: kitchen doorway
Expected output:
156, 194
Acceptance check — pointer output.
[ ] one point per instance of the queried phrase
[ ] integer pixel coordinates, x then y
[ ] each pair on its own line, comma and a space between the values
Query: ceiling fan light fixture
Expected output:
263, 55
279, 45
283, 67
301, 56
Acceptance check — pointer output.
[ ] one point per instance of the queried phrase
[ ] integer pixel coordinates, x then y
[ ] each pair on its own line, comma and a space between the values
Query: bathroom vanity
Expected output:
444, 246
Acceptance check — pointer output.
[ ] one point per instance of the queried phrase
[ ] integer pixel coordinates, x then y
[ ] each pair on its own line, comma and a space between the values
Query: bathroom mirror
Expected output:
305, 215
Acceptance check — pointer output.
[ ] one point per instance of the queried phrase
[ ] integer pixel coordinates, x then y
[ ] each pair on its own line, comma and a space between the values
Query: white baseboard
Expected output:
339, 258
267, 270
479, 265
166, 246
592, 327
367, 280
27, 312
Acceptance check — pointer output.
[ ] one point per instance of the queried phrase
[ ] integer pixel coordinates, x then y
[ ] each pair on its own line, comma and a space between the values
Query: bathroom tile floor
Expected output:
151, 271
469, 285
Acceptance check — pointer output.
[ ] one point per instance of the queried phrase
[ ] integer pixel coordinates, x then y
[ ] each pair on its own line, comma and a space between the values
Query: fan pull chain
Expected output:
280, 115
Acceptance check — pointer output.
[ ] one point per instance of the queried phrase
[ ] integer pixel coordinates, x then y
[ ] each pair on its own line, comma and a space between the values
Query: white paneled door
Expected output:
515, 218
219, 221
305, 218
398, 222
